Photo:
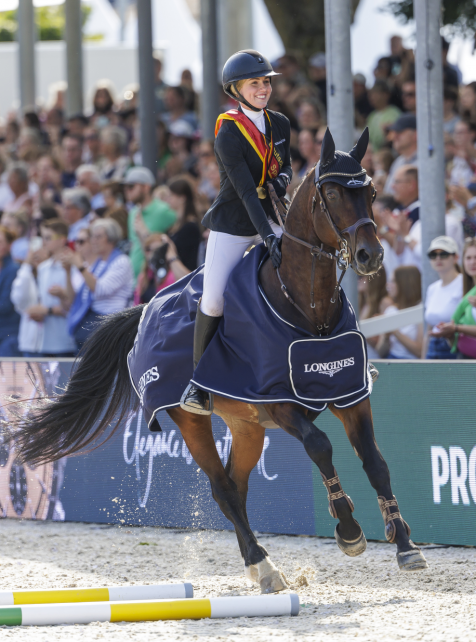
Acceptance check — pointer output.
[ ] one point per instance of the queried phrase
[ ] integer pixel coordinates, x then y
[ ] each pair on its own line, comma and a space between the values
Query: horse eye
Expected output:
330, 195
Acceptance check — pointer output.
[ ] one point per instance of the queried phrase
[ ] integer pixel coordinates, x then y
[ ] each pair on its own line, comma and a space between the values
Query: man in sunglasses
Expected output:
403, 133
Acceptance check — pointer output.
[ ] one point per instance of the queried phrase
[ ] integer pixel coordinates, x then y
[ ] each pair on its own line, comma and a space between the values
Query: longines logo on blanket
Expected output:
330, 368
149, 375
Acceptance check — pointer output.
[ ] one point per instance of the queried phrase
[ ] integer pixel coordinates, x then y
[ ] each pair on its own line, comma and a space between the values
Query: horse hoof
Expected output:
353, 548
413, 560
272, 583
252, 573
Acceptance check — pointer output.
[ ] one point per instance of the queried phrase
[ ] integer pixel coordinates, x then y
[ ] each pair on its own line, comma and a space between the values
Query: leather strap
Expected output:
388, 517
335, 481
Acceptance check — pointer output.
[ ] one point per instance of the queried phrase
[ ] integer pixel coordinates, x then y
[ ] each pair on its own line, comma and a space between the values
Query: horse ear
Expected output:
359, 149
328, 149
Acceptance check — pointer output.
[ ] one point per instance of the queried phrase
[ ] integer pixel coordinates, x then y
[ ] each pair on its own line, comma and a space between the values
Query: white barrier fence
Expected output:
383, 324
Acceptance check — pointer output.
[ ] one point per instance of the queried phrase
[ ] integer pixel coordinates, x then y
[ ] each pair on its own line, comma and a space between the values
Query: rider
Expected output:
252, 147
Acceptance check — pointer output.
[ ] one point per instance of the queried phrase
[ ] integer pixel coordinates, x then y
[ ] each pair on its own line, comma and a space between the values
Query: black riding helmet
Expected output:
242, 65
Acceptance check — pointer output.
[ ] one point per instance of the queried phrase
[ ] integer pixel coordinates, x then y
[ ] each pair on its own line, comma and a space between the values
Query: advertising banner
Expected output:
424, 422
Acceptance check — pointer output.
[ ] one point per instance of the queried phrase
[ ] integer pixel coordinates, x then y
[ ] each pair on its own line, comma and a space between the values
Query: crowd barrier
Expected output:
424, 422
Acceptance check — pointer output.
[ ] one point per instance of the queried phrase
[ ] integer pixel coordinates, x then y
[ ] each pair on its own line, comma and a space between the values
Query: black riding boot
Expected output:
193, 399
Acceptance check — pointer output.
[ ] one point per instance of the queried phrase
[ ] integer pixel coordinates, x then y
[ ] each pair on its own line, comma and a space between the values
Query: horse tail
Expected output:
98, 394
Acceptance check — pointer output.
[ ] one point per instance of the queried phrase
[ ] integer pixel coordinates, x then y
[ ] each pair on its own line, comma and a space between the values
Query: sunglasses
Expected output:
410, 94
439, 255
80, 241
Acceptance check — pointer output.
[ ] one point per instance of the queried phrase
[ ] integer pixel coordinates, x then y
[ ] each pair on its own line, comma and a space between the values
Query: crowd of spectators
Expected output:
86, 230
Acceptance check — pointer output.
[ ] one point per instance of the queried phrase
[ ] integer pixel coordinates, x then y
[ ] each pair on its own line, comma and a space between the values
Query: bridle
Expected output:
346, 238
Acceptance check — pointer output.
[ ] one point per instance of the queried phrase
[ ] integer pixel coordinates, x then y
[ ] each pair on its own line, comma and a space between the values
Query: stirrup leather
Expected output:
337, 495
388, 518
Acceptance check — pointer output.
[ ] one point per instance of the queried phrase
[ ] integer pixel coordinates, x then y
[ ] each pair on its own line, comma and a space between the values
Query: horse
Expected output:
326, 224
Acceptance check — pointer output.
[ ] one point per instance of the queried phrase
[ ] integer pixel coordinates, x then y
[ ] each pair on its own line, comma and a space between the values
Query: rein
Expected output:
343, 258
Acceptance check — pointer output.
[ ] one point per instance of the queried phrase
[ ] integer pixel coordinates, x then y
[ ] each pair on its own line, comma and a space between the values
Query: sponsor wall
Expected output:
425, 426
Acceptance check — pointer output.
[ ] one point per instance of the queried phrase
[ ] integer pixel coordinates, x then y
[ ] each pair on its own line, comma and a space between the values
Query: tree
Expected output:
301, 24
49, 23
460, 15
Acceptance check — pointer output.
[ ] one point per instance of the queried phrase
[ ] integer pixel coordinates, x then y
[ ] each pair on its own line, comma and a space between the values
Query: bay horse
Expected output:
336, 222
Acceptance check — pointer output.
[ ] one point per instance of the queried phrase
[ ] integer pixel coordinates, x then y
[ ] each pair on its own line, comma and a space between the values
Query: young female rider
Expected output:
252, 147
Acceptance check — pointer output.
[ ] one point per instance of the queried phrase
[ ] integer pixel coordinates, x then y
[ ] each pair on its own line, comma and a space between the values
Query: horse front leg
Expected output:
246, 449
198, 436
358, 425
293, 419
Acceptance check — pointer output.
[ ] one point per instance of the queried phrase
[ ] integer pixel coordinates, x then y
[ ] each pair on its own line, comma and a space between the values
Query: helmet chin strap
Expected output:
243, 100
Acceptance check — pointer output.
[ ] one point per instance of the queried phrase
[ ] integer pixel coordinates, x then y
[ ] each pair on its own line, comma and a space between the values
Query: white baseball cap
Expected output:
445, 243
141, 175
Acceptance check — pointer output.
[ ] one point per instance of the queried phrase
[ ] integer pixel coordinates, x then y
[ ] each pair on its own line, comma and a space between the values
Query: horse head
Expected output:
342, 209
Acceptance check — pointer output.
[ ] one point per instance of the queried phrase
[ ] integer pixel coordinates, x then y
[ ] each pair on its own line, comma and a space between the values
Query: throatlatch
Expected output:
388, 518
337, 495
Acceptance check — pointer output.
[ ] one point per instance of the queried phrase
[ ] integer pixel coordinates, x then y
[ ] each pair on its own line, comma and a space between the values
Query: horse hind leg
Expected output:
245, 452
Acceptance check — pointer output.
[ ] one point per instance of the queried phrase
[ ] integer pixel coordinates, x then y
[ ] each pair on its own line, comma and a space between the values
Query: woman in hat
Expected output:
252, 147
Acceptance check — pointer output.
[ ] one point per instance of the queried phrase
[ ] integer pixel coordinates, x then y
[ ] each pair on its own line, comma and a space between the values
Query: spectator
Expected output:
46, 307
108, 283
373, 301
83, 246
18, 184
148, 215
405, 190
76, 210
442, 296
404, 141
88, 177
71, 155
191, 98
9, 317
180, 146
405, 290
309, 114
461, 330
113, 148
468, 102
48, 179
151, 280
92, 147
383, 115
409, 97
317, 75
103, 103
176, 109
25, 294
289, 67
451, 73
308, 150
76, 125
464, 161
185, 233
362, 106
466, 197
29, 146
18, 223
450, 109
160, 86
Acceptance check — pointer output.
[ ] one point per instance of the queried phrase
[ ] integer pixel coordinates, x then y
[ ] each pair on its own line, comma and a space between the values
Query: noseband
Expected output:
347, 239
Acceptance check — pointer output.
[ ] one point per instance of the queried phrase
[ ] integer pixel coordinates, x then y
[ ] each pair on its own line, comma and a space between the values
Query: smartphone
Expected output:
36, 243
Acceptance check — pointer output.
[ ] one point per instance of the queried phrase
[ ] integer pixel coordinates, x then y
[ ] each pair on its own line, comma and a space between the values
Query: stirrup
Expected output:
337, 495
196, 401
388, 518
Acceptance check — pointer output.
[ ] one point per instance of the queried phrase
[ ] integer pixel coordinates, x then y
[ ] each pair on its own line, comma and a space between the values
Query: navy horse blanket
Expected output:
255, 356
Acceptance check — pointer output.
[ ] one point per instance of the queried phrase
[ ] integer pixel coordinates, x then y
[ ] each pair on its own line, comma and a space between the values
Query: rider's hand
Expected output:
280, 185
274, 249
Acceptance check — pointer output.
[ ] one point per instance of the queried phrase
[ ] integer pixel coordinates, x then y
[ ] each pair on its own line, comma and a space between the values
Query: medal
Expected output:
261, 192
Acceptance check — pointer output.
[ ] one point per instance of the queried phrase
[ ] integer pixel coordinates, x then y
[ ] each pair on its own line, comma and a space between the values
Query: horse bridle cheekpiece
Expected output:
346, 170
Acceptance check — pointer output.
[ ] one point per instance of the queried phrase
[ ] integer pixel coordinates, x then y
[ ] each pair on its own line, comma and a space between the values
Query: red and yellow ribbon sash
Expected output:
256, 139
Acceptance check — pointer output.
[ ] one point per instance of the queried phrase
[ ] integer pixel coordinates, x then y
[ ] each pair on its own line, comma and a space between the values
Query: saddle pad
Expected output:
328, 368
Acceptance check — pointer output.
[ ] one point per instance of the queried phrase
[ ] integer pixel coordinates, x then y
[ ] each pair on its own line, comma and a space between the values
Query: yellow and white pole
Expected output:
16, 597
139, 611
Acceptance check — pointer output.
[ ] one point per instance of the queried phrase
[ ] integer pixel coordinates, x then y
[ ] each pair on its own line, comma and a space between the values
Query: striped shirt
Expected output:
114, 288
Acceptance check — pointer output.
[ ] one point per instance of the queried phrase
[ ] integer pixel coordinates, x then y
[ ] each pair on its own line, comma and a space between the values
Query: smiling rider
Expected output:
252, 148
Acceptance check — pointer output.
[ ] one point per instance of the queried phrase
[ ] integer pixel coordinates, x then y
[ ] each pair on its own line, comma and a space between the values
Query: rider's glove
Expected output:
280, 184
273, 245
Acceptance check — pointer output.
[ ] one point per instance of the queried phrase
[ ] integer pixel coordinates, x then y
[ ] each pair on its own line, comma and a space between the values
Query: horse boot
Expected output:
350, 548
193, 399
412, 560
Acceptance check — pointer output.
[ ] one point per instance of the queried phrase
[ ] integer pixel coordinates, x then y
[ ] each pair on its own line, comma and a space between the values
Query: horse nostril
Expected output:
363, 256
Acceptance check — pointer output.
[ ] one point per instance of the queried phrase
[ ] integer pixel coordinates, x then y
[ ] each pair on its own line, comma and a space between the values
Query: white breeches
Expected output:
224, 252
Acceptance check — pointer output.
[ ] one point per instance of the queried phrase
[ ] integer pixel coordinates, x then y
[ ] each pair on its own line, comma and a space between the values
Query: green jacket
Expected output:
463, 315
